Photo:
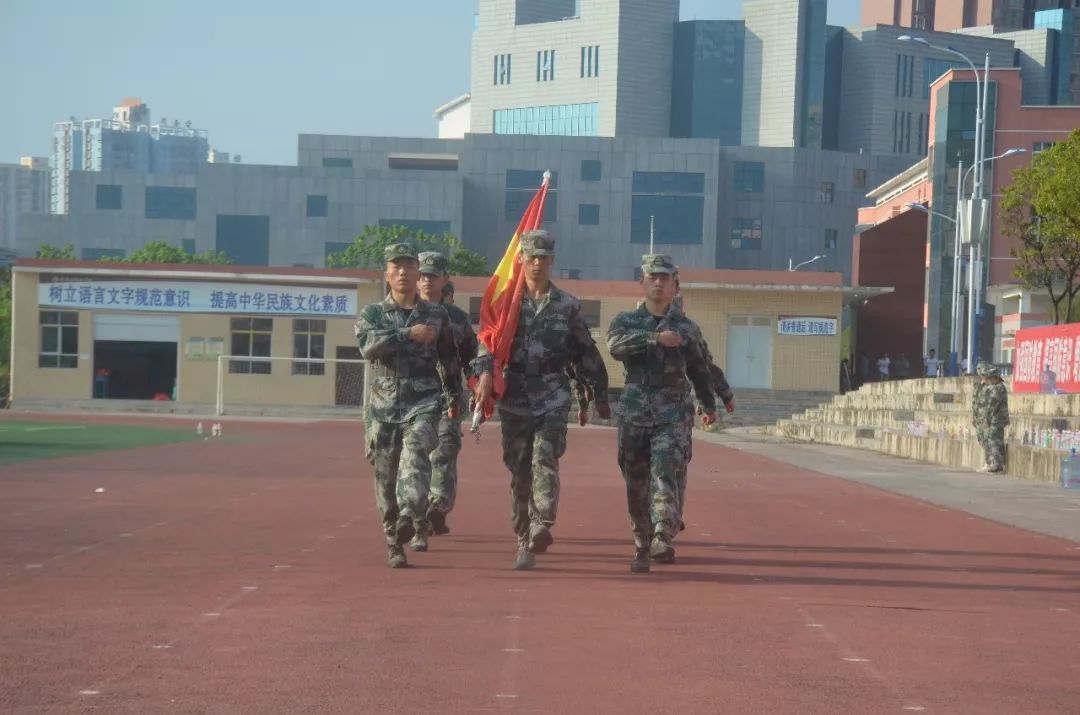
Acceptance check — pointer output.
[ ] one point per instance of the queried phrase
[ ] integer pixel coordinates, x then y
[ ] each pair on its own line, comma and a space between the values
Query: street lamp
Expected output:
804, 263
926, 210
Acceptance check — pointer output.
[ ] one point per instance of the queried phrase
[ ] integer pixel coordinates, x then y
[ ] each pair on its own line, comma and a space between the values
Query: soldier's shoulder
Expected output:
627, 317
372, 311
433, 308
567, 301
456, 314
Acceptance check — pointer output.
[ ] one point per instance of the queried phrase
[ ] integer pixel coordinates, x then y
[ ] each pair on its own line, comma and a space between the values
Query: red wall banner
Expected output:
1056, 346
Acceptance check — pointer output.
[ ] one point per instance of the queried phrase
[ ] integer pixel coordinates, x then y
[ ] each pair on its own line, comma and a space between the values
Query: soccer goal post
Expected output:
284, 386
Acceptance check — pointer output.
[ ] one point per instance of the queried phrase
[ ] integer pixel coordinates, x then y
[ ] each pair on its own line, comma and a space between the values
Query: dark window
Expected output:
668, 182
244, 239
590, 61
521, 186
435, 228
675, 219
337, 162
309, 344
570, 273
318, 205
746, 234
830, 238
588, 214
109, 197
545, 65
97, 254
590, 312
591, 170
474, 309
188, 244
750, 176
858, 179
334, 247
433, 162
175, 202
59, 339
250, 338
827, 191
502, 69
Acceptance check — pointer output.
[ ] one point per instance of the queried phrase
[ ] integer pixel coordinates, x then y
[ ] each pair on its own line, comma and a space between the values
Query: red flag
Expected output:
501, 305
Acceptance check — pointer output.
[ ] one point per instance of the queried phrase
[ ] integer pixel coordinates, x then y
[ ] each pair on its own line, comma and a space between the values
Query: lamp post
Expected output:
980, 113
955, 313
791, 267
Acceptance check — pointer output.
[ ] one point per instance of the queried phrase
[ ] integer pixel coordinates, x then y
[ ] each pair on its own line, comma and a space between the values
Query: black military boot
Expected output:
540, 539
526, 560
661, 550
404, 530
395, 557
640, 562
438, 522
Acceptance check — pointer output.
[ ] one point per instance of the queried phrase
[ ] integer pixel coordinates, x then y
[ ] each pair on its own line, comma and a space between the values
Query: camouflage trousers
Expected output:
400, 453
653, 461
532, 447
992, 440
444, 466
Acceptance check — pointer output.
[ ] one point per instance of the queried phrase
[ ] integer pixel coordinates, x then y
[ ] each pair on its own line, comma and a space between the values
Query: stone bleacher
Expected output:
930, 420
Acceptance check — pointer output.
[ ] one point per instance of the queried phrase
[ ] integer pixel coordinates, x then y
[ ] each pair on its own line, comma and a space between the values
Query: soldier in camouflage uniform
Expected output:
551, 335
990, 408
444, 477
414, 377
661, 352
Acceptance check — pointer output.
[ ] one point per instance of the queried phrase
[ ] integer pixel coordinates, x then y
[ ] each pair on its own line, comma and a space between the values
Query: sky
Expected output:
253, 73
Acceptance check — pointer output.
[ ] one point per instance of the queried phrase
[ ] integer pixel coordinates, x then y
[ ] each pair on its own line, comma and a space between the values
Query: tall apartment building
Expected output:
707, 80
573, 67
783, 73
24, 189
127, 141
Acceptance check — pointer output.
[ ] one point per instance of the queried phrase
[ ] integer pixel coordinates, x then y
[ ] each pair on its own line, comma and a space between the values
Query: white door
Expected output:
749, 351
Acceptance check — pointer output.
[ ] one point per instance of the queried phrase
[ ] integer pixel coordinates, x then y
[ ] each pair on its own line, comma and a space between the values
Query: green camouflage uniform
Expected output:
655, 415
410, 385
444, 477
990, 409
551, 335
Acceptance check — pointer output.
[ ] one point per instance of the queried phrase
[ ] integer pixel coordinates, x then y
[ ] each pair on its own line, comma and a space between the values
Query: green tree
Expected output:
162, 252
64, 253
1040, 211
367, 250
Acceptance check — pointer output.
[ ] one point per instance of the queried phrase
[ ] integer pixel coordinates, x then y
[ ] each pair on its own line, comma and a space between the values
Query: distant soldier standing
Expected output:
433, 281
414, 378
990, 408
661, 351
551, 334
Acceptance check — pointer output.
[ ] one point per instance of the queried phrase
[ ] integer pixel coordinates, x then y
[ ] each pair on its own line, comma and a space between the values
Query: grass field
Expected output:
22, 441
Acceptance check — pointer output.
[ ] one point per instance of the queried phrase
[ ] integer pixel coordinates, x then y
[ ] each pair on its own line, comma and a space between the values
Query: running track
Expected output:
249, 576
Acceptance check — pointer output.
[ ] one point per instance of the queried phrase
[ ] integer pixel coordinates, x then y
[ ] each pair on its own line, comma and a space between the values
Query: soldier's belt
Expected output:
655, 379
536, 367
419, 370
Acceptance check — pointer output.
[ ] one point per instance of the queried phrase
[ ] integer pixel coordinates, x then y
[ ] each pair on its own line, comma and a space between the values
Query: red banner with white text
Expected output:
1047, 359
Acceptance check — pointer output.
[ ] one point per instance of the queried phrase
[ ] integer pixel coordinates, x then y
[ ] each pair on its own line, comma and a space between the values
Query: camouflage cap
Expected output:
538, 243
986, 369
433, 263
399, 250
657, 263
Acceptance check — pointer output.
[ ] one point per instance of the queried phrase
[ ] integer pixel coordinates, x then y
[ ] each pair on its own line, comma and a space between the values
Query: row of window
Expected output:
746, 235
749, 178
173, 202
573, 120
502, 65
902, 126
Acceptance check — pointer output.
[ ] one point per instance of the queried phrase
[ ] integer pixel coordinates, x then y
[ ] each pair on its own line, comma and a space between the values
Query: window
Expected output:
905, 76
667, 205
1039, 147
309, 343
97, 254
750, 176
830, 238
59, 339
570, 273
250, 338
932, 69
591, 170
502, 69
590, 312
545, 65
423, 162
521, 185
590, 61
108, 197
333, 247
474, 309
858, 179
567, 120
244, 239
170, 202
435, 228
746, 234
336, 162
318, 205
827, 188
588, 214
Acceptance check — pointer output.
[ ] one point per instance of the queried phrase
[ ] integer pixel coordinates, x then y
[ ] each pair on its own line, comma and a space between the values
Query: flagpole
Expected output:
652, 232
